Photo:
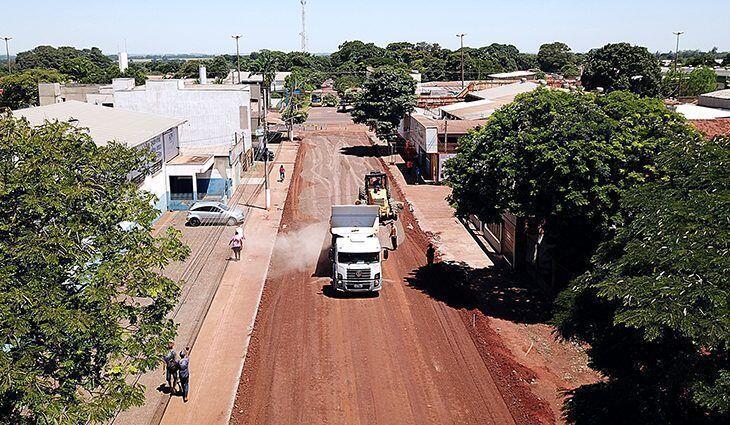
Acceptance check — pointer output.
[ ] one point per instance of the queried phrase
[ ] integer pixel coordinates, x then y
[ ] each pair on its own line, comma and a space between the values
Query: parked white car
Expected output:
207, 212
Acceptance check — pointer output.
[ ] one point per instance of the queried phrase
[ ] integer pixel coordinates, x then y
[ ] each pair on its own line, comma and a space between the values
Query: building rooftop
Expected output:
453, 127
506, 90
719, 94
695, 112
713, 128
190, 160
104, 124
513, 74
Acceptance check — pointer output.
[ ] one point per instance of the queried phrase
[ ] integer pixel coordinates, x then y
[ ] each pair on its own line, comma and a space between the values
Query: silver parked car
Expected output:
207, 212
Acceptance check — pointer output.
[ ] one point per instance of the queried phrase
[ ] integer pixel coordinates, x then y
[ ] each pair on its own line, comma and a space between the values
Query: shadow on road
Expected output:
328, 292
496, 292
373, 151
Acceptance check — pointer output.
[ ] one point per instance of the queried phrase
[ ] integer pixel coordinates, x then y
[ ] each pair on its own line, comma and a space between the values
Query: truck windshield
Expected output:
358, 257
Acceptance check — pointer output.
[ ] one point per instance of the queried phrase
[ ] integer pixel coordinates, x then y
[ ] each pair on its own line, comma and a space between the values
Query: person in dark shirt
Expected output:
184, 373
430, 254
170, 361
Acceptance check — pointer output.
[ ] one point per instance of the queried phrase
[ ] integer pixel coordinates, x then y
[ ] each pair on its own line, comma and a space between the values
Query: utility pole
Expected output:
461, 36
676, 62
7, 51
264, 90
303, 34
676, 52
238, 58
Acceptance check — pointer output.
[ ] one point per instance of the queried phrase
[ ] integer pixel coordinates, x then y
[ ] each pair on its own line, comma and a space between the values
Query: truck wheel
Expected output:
232, 221
195, 222
361, 193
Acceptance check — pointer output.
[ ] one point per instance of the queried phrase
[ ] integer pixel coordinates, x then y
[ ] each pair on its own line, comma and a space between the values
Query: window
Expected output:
358, 257
203, 209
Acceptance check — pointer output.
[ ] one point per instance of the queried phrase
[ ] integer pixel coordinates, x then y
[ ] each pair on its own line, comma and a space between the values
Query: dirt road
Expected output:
401, 357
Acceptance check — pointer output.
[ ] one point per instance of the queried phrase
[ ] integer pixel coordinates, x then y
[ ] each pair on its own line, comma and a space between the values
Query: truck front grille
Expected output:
358, 275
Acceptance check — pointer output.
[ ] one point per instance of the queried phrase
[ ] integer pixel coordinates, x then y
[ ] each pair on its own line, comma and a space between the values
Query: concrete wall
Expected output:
213, 114
50, 93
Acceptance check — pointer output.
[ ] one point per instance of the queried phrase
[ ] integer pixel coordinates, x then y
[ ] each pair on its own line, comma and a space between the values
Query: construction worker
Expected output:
393, 236
430, 254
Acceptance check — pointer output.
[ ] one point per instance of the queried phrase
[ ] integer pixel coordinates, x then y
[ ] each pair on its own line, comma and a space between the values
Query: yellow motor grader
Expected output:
376, 191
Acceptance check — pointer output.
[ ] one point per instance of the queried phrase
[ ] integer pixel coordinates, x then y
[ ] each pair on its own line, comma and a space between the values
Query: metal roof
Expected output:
103, 123
513, 74
506, 90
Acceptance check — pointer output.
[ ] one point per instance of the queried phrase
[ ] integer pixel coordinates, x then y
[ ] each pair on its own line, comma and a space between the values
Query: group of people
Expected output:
177, 372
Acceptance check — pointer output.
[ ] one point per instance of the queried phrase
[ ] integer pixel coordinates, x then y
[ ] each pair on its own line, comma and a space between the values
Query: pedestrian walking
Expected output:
236, 244
282, 171
393, 236
171, 366
430, 254
418, 174
184, 373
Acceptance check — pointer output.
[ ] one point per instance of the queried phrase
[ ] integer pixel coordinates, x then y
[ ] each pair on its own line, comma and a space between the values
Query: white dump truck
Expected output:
356, 249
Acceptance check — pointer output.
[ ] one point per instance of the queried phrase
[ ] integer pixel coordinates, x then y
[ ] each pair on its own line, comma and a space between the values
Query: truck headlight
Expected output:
377, 276
339, 276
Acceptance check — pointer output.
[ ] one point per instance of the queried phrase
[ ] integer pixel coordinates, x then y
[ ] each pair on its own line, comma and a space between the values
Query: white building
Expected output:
217, 121
159, 134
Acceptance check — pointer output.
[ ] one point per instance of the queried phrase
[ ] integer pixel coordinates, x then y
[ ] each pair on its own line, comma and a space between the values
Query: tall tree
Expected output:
655, 306
562, 159
553, 57
82, 301
622, 66
20, 89
388, 95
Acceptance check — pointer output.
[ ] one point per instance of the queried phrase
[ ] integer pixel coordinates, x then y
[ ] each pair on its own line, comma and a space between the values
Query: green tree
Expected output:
356, 51
82, 301
622, 66
562, 158
553, 57
678, 83
20, 89
218, 67
701, 80
655, 306
345, 82
570, 70
388, 95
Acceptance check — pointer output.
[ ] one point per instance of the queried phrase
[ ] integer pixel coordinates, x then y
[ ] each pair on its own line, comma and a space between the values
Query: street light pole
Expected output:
238, 58
676, 52
7, 51
676, 61
264, 90
461, 36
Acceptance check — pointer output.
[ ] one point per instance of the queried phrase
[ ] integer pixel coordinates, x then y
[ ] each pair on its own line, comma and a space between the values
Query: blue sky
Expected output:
182, 26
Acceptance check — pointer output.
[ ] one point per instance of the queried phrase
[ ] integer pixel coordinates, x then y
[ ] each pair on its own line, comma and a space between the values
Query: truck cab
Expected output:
356, 264
356, 249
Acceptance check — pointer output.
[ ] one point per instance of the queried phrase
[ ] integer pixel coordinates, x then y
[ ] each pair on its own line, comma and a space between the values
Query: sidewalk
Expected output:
436, 217
217, 358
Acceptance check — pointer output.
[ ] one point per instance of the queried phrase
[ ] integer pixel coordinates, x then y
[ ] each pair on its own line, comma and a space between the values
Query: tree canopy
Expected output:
82, 302
388, 95
553, 57
655, 305
622, 66
20, 89
698, 81
561, 158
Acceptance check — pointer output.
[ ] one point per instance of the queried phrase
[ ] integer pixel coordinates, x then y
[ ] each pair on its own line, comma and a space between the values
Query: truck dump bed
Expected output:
353, 220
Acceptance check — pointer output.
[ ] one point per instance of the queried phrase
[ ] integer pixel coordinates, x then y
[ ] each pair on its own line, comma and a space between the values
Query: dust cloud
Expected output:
299, 250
